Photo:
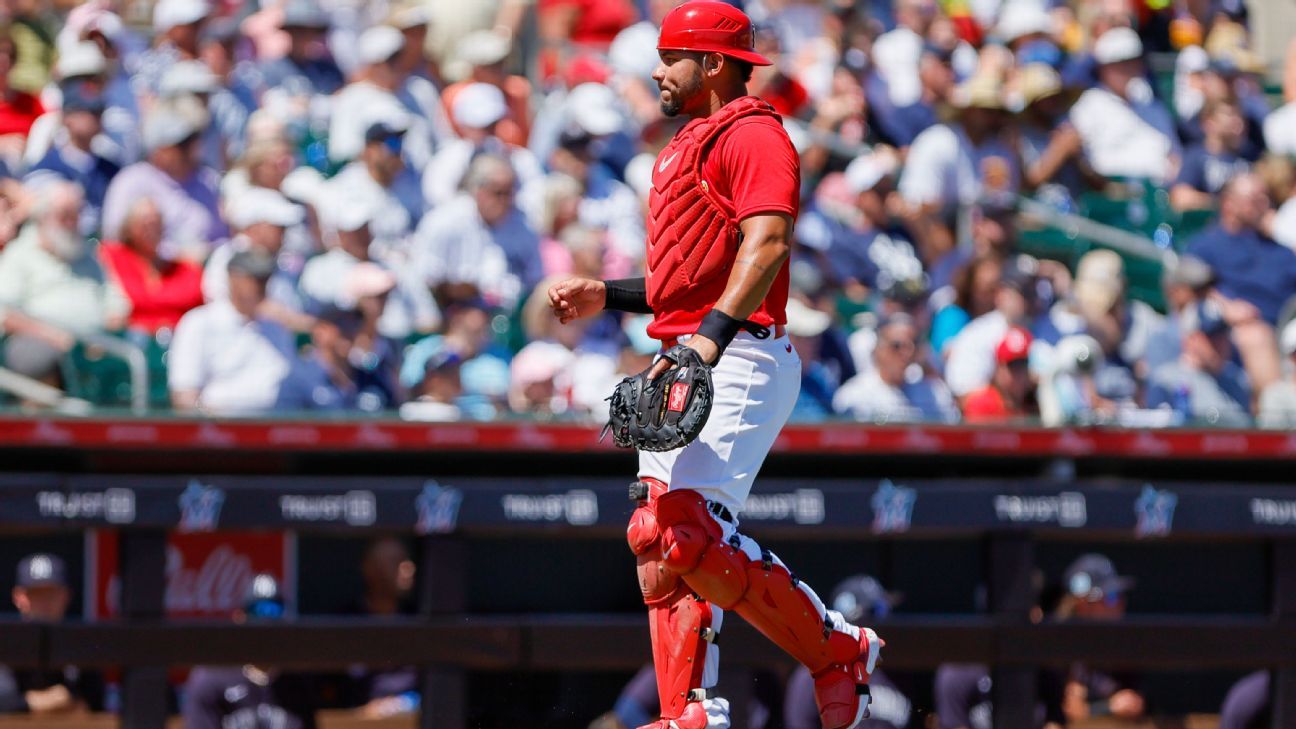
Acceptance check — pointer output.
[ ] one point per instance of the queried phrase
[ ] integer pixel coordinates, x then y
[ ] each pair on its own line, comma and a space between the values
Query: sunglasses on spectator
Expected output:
498, 191
900, 345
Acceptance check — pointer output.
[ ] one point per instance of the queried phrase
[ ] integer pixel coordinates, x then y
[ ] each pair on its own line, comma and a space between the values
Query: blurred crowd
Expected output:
336, 205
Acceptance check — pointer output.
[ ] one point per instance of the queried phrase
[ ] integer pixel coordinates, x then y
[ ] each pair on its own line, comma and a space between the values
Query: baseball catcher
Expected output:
723, 201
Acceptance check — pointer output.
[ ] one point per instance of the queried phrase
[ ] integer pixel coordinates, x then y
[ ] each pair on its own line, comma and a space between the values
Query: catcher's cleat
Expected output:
709, 714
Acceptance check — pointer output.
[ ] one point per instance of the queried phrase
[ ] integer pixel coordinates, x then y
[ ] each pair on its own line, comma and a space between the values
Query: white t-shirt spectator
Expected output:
1280, 130
866, 397
454, 245
390, 223
236, 364
946, 168
971, 361
77, 297
1124, 139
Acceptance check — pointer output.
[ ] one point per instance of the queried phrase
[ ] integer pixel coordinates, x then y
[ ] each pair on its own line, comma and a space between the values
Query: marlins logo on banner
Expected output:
1155, 512
200, 507
892, 508
438, 508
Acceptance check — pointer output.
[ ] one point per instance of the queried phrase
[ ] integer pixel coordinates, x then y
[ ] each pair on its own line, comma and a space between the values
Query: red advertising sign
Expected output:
207, 573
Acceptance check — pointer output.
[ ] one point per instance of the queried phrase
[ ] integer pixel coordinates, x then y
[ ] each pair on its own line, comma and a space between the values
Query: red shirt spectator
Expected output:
1009, 390
18, 110
585, 22
160, 291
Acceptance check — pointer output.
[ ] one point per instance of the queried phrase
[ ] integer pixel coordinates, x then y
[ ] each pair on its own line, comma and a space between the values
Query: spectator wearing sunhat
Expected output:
18, 109
1121, 325
1203, 385
1126, 131
119, 47
226, 357
860, 599
174, 178
83, 65
1010, 392
1051, 149
259, 218
72, 156
958, 163
482, 57
42, 594
477, 111
177, 25
307, 69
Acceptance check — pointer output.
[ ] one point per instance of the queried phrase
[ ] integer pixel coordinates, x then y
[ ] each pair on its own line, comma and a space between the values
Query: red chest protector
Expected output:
692, 233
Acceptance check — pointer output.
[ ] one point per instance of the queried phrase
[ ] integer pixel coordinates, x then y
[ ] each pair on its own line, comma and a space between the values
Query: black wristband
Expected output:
721, 328
627, 294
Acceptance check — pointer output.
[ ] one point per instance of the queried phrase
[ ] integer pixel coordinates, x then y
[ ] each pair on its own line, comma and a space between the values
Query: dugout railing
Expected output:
452, 485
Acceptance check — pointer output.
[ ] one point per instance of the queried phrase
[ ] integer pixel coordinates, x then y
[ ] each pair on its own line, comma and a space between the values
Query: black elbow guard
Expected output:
627, 294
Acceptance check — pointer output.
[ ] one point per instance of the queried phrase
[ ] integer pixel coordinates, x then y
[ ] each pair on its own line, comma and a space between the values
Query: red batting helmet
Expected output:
708, 26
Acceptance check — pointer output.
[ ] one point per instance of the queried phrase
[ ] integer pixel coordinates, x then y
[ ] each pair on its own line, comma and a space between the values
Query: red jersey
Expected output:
751, 168
158, 299
18, 111
987, 405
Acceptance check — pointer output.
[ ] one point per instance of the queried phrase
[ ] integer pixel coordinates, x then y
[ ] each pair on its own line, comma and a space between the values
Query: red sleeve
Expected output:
761, 167
983, 405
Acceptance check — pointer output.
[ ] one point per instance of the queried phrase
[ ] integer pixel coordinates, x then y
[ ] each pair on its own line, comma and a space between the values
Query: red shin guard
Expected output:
680, 624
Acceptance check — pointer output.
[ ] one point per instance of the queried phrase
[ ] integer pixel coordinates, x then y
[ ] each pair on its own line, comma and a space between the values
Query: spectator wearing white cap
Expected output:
119, 47
176, 27
483, 54
481, 237
259, 218
223, 138
957, 164
371, 93
173, 176
227, 358
308, 68
378, 180
1277, 408
1126, 132
410, 308
477, 111
72, 156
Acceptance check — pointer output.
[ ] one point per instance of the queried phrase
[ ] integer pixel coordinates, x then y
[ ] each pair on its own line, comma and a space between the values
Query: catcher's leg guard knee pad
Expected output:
693, 547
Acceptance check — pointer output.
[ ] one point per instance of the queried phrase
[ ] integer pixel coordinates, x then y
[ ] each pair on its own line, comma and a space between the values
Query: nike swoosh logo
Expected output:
667, 162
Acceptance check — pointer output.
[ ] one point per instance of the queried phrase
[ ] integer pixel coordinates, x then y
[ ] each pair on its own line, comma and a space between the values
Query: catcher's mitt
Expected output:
665, 413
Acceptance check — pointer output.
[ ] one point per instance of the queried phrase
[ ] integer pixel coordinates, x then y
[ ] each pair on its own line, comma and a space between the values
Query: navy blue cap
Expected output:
860, 599
42, 570
1093, 576
82, 96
